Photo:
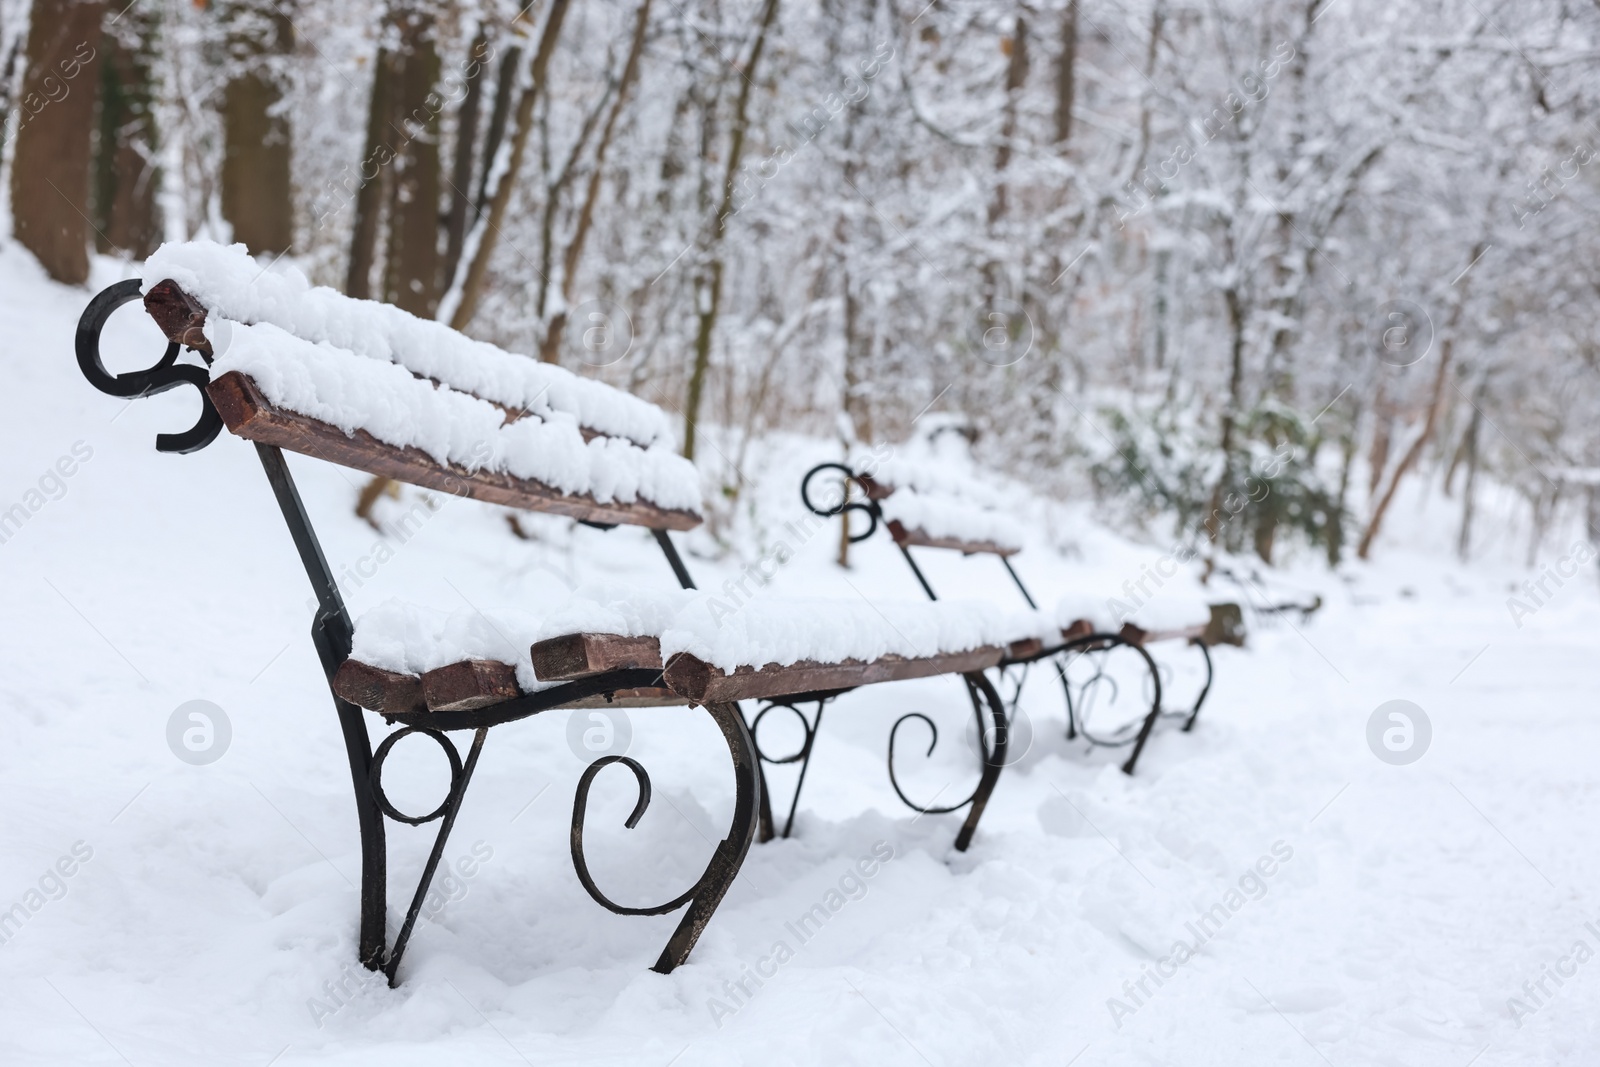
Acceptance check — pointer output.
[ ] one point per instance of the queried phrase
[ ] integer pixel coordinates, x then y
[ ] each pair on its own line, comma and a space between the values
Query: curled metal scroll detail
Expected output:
167, 373
580, 806
844, 505
991, 741
375, 776
805, 724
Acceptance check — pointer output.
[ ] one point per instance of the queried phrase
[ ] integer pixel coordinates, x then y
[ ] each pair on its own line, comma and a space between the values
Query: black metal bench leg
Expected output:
765, 825
374, 847
994, 756
1155, 709
447, 813
730, 853
1205, 690
1066, 687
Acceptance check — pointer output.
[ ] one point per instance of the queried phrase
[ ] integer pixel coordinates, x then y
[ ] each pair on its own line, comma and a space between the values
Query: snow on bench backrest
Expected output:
942, 502
359, 365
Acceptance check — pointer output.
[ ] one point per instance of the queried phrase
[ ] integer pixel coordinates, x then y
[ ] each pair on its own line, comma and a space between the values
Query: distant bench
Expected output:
367, 386
933, 515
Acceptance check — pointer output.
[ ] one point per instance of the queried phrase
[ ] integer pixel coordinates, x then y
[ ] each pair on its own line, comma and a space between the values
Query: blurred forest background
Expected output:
1161, 251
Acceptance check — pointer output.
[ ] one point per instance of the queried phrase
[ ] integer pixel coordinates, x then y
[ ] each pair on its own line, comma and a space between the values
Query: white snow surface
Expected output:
232, 285
355, 392
1408, 911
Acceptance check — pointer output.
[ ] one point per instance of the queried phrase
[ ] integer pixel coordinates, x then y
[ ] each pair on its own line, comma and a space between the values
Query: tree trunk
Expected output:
374, 174
708, 288
1413, 453
1470, 445
256, 198
1347, 456
550, 351
463, 167
1016, 78
411, 274
510, 64
477, 271
1591, 514
126, 177
1066, 72
50, 170
1230, 414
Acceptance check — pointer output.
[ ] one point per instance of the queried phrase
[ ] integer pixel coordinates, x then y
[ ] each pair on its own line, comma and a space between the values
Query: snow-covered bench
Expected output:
304, 369
940, 505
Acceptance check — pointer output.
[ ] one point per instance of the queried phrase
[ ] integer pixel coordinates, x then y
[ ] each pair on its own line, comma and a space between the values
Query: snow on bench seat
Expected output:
709, 651
407, 658
374, 388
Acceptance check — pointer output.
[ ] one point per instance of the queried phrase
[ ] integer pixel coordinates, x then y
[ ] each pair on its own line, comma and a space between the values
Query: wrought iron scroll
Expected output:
166, 374
1099, 645
445, 813
992, 742
801, 755
844, 505
580, 807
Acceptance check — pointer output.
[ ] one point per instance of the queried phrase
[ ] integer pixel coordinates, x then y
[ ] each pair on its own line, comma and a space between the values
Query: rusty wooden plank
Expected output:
904, 535
472, 683
698, 680
248, 414
571, 656
373, 688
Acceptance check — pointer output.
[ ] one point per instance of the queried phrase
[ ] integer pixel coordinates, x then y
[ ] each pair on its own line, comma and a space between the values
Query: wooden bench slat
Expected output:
1136, 635
469, 684
465, 686
561, 659
913, 536
373, 688
1226, 626
698, 680
1027, 648
248, 414
1079, 628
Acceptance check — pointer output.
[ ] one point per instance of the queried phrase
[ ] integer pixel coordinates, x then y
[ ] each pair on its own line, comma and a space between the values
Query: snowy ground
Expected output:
210, 909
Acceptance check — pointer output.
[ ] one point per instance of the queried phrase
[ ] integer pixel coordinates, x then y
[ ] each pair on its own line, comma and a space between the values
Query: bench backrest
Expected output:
372, 387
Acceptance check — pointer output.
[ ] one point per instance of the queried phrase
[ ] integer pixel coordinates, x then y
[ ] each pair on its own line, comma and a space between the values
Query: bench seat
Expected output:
406, 658
1169, 615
